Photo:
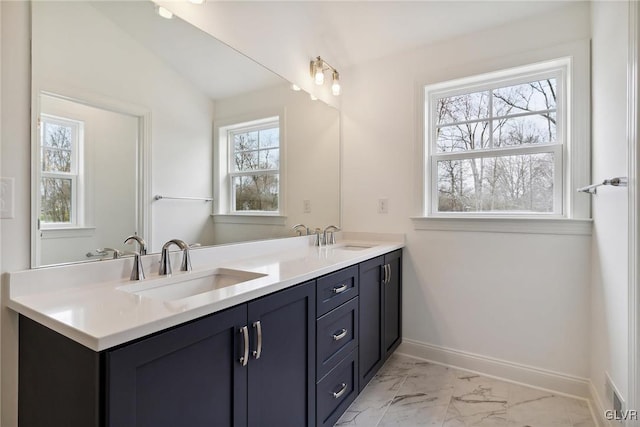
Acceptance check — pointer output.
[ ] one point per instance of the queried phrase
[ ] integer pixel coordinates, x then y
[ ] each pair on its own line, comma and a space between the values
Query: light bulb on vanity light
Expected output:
318, 71
335, 86
164, 12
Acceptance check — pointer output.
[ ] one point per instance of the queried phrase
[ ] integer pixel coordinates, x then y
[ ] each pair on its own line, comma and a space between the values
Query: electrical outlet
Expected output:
306, 206
383, 206
7, 198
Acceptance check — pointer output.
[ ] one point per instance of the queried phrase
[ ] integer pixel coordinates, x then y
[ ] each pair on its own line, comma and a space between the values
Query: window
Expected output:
496, 144
254, 167
60, 142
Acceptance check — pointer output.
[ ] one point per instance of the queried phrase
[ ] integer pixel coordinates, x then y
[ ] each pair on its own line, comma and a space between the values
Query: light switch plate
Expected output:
306, 206
383, 206
7, 198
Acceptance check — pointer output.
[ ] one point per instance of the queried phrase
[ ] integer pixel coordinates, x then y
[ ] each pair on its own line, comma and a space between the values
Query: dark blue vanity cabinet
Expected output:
250, 365
297, 357
392, 297
202, 374
380, 312
337, 344
189, 376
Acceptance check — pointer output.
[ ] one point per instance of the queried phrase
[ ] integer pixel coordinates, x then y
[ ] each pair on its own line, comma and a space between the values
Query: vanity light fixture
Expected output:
335, 86
317, 68
164, 12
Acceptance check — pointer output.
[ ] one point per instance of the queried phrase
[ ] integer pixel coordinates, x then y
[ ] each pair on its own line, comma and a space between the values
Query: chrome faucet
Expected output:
299, 228
142, 245
137, 272
165, 261
329, 230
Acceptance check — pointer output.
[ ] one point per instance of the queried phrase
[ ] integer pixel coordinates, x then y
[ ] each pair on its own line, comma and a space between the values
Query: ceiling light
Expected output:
317, 68
164, 12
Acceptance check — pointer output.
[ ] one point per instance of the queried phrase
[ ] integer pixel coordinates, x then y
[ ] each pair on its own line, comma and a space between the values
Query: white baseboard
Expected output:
597, 407
510, 371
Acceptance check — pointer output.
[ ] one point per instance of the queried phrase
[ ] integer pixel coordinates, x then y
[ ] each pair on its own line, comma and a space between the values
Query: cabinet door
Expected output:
282, 368
187, 376
371, 323
392, 302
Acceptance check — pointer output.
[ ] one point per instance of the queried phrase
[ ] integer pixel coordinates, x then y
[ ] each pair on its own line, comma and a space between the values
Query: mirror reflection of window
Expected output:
254, 166
60, 143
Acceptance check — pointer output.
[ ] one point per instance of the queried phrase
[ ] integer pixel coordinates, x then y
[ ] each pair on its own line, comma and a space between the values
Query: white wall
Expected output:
311, 159
609, 322
99, 61
523, 298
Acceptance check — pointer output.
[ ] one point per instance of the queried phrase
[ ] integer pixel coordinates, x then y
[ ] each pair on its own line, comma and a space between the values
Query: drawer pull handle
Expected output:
245, 335
339, 289
339, 393
258, 351
340, 335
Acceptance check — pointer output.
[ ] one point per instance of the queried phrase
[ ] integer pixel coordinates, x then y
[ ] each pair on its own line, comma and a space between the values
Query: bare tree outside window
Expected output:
255, 166
58, 154
474, 136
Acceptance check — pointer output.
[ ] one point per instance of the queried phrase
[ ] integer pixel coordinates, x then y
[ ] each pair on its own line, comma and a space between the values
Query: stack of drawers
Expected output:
336, 344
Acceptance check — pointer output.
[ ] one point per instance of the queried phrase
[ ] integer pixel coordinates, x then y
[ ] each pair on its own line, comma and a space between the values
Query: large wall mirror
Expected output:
145, 125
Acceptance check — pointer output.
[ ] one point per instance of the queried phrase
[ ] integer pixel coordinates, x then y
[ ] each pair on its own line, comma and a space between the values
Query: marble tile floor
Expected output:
409, 392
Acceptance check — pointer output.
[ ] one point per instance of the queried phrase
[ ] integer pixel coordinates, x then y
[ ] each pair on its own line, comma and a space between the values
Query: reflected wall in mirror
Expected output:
193, 104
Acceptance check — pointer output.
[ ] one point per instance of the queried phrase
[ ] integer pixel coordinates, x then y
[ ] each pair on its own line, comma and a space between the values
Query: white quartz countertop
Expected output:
86, 302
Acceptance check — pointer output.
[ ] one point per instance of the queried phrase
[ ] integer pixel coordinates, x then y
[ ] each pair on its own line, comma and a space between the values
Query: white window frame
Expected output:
77, 211
224, 203
559, 69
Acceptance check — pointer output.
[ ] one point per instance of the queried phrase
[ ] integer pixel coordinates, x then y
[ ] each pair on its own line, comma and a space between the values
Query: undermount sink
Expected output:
175, 290
354, 247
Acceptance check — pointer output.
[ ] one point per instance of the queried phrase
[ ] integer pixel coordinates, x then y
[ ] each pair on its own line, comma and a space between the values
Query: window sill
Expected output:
264, 219
66, 232
581, 227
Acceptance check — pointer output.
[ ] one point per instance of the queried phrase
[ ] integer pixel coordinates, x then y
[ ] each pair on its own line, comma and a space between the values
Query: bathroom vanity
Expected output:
291, 344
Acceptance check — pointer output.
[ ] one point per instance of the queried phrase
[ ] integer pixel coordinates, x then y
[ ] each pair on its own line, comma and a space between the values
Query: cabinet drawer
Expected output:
336, 288
337, 336
337, 390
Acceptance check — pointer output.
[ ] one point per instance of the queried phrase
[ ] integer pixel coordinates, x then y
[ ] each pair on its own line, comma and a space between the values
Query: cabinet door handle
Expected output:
385, 274
339, 289
389, 273
245, 336
339, 393
340, 335
258, 351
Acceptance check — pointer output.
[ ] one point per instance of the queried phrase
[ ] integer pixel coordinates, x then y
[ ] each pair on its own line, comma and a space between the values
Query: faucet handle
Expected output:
185, 265
319, 237
137, 272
